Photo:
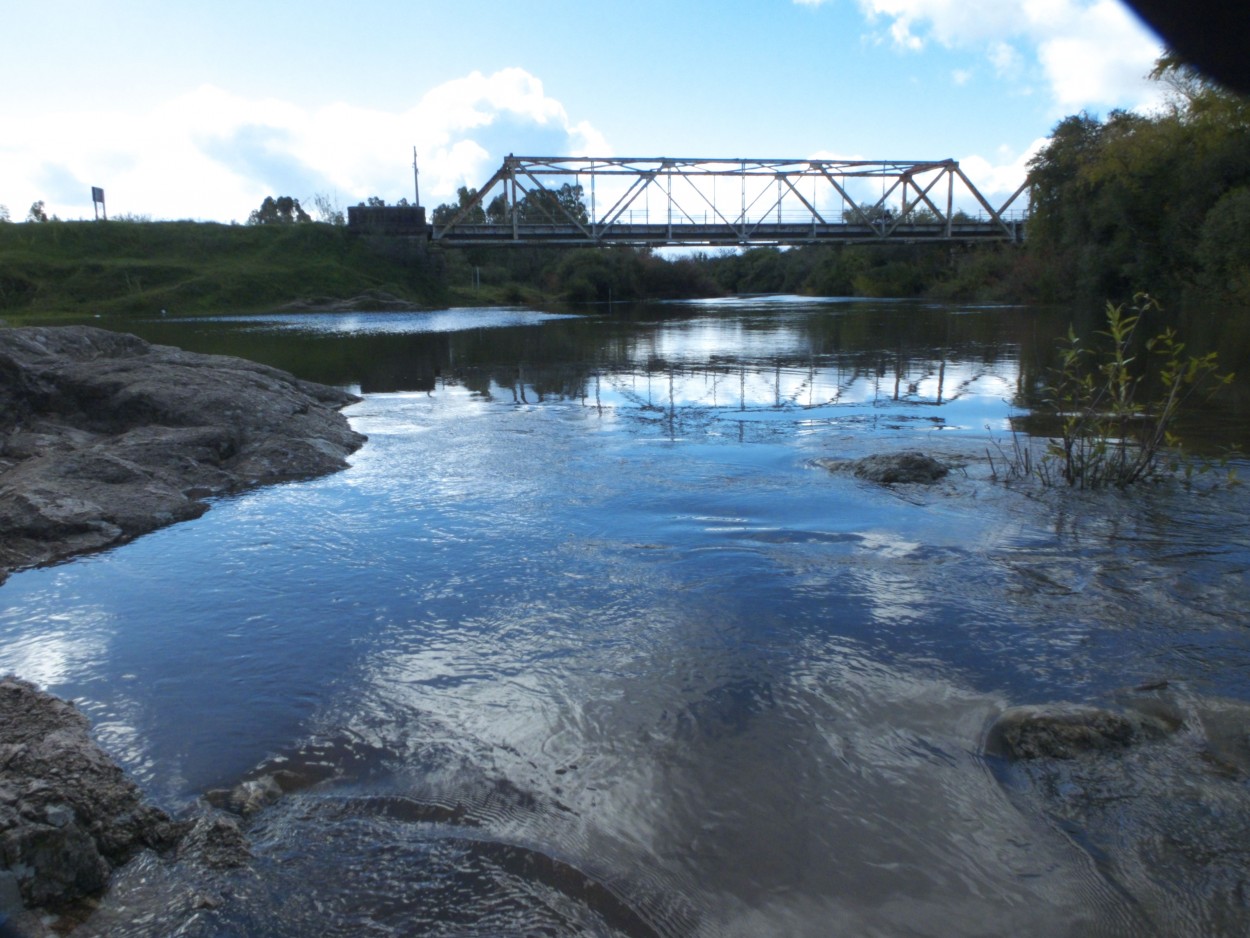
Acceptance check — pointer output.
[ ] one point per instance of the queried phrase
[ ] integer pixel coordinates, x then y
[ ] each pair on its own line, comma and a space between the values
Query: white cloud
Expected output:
210, 154
1103, 60
1005, 58
1091, 53
998, 179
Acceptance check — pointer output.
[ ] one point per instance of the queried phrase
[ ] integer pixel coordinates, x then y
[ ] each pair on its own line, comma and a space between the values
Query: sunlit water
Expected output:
586, 642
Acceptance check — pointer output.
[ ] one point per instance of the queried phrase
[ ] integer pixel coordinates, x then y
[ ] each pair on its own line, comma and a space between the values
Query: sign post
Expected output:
97, 203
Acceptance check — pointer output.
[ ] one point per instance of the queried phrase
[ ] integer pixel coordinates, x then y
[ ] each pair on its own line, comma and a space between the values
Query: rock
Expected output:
248, 797
68, 815
1066, 731
1226, 728
216, 843
891, 468
104, 437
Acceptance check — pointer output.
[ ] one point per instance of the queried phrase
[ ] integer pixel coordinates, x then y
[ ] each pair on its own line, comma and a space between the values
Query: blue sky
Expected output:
182, 110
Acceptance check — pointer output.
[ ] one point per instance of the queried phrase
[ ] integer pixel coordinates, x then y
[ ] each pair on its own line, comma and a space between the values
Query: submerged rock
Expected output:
1153, 787
68, 815
315, 762
1066, 731
215, 842
909, 467
246, 798
104, 437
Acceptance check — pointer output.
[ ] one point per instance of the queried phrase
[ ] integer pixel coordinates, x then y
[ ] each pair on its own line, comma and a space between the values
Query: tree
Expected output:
556, 207
327, 210
561, 206
447, 211
37, 212
1123, 203
497, 211
283, 210
4, 213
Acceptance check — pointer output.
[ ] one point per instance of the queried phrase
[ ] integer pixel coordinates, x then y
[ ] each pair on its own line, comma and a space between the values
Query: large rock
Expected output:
68, 815
1066, 731
104, 437
908, 467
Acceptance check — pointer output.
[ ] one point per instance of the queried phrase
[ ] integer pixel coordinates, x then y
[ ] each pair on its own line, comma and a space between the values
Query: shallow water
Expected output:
586, 642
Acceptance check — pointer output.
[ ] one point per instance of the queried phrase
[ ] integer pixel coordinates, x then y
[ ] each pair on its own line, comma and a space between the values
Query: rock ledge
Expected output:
104, 437
68, 815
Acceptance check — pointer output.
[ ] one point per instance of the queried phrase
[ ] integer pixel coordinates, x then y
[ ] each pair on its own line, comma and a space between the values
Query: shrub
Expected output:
1115, 409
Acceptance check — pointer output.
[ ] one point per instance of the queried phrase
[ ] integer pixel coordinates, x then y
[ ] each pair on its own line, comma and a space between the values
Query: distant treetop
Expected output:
283, 210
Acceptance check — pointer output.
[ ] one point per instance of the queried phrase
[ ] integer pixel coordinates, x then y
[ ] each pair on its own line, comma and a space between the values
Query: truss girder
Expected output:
862, 192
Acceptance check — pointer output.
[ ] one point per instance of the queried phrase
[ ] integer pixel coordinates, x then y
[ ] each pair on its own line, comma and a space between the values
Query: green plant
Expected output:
1116, 409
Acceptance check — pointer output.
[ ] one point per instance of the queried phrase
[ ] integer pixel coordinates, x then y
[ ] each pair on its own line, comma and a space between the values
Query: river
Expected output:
588, 640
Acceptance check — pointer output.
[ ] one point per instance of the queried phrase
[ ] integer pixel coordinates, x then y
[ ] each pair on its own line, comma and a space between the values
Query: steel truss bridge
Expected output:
655, 201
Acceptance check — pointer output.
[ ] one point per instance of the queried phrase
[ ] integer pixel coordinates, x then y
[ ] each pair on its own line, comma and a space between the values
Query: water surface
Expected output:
586, 641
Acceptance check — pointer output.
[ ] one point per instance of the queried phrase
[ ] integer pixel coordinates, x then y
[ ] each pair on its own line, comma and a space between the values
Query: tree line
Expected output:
1158, 202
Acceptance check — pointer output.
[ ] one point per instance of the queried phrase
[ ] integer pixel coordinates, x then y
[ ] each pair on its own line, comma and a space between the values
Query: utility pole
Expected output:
416, 178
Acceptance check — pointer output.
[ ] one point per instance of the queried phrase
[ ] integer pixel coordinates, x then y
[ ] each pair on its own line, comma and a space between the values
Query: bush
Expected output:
1109, 431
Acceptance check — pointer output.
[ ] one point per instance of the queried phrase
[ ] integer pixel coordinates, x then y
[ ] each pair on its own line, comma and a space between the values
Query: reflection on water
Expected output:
384, 323
586, 643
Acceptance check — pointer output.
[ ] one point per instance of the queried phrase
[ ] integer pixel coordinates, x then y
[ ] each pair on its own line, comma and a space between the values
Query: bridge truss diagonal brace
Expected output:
908, 178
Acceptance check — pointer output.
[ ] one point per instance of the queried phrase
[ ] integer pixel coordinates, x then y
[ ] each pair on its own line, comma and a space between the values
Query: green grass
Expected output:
190, 268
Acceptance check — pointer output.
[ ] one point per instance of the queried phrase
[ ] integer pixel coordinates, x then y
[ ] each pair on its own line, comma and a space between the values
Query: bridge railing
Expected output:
645, 217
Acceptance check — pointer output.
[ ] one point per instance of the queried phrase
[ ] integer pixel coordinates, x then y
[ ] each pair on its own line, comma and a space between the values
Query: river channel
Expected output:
589, 640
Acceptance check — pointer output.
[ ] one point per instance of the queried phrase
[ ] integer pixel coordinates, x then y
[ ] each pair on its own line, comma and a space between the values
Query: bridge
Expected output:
658, 201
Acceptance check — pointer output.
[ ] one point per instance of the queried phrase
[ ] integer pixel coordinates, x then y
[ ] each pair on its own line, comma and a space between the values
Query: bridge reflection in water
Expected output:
656, 201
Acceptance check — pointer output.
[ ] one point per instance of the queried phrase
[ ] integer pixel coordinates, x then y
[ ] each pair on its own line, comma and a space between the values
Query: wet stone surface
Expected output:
104, 437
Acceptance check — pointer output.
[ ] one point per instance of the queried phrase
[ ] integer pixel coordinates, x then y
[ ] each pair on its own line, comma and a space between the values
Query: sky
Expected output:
184, 110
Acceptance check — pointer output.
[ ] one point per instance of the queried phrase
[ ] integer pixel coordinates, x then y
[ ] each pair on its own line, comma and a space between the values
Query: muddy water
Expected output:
589, 641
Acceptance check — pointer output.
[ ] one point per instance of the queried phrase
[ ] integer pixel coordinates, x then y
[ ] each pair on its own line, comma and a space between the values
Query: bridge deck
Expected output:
762, 233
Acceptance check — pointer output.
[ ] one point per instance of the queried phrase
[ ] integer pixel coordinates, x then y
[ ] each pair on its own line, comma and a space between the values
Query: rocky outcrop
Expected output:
68, 815
1066, 731
104, 437
891, 468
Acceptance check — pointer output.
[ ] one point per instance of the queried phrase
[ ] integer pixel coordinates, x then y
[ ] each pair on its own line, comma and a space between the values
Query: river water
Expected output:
589, 640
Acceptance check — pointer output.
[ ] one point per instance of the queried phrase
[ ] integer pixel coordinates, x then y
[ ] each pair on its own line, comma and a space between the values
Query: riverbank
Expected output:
197, 268
104, 437
69, 818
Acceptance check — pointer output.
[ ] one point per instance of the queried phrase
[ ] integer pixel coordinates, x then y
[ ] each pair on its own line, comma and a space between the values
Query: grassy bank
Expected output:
187, 268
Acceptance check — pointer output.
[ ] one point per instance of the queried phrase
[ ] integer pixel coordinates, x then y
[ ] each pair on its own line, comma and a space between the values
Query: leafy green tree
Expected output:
1222, 246
4, 213
497, 210
37, 212
554, 206
447, 211
1125, 202
283, 210
561, 206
